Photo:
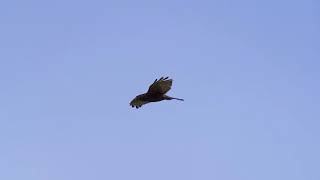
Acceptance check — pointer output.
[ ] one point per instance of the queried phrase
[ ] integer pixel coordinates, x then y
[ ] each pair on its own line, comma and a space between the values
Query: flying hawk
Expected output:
156, 92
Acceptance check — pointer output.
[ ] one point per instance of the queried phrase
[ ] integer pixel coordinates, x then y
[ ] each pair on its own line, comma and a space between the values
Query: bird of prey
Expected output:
156, 92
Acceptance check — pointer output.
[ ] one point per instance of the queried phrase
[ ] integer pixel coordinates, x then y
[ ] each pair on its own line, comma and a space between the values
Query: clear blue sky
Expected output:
248, 71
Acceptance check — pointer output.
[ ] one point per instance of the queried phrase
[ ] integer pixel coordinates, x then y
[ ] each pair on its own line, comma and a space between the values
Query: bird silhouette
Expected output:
156, 92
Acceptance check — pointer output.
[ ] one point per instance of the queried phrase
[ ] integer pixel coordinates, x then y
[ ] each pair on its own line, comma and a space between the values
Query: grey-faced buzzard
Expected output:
156, 92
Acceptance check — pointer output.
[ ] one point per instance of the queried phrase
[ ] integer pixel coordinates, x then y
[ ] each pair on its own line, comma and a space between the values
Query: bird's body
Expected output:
156, 92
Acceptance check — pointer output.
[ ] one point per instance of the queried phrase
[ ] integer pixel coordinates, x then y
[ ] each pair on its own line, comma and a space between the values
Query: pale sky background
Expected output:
248, 71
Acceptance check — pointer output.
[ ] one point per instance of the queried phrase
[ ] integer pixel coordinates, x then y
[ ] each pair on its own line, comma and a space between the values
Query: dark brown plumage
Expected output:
156, 92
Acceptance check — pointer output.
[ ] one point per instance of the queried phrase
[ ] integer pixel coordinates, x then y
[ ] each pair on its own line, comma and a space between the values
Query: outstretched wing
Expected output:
137, 102
161, 86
